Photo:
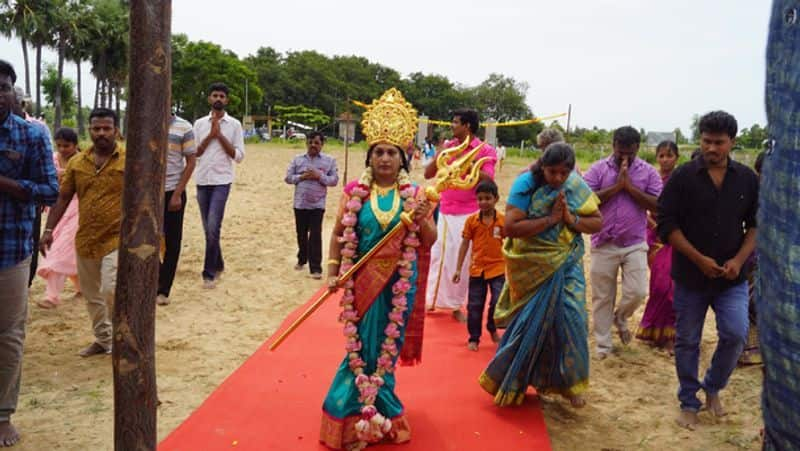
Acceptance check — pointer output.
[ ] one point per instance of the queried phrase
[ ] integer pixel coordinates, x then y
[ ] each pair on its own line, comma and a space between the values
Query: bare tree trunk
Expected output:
135, 395
80, 100
27, 65
111, 94
38, 81
110, 85
57, 101
96, 92
107, 94
103, 93
117, 90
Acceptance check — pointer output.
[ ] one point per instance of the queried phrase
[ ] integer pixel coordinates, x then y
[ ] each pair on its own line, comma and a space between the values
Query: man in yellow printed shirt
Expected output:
97, 175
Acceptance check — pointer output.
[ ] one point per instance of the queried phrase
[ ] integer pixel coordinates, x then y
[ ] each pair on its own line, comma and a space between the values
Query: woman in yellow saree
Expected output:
542, 305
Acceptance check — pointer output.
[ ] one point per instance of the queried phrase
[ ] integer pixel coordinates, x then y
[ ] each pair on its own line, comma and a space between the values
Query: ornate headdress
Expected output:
390, 119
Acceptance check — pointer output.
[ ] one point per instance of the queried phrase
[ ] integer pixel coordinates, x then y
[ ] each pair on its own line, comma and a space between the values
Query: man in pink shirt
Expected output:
454, 208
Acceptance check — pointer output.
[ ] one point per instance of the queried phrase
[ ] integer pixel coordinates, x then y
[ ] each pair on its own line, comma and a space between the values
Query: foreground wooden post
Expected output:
135, 396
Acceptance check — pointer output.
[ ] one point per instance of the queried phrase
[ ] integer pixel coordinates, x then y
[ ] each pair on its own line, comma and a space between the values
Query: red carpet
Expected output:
274, 400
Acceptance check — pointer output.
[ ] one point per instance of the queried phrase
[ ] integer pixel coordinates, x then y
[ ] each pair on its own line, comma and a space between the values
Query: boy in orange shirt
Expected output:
487, 268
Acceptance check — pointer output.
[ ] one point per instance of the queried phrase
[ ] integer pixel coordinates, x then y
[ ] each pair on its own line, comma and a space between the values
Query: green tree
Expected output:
433, 95
695, 128
679, 137
42, 36
17, 18
51, 89
752, 137
108, 39
359, 79
593, 137
196, 65
66, 20
313, 117
79, 50
503, 99
267, 64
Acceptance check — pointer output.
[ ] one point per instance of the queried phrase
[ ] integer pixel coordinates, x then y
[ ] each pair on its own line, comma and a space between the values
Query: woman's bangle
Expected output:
577, 218
333, 261
48, 230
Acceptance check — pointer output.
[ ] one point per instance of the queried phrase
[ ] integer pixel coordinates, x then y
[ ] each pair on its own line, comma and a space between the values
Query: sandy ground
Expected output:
202, 336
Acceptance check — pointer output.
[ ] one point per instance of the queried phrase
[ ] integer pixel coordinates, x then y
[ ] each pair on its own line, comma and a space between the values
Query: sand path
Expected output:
203, 335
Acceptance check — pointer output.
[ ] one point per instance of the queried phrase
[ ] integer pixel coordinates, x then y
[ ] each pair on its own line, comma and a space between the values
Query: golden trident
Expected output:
462, 173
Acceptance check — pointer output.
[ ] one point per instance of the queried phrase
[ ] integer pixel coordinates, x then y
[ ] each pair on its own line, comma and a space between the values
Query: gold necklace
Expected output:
383, 190
384, 217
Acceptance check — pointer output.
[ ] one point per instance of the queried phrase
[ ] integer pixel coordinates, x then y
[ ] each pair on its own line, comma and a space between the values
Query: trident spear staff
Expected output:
462, 173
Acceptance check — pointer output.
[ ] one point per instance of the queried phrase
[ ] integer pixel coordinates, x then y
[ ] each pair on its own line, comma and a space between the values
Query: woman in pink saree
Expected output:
658, 322
60, 263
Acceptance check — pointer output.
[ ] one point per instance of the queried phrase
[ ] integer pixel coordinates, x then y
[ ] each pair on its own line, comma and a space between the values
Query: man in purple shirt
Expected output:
312, 173
627, 187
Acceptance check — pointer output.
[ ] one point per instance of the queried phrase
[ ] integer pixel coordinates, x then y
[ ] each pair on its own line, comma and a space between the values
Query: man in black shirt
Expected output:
707, 212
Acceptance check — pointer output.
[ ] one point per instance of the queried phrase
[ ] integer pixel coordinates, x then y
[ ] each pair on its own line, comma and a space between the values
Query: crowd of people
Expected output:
81, 191
528, 264
688, 229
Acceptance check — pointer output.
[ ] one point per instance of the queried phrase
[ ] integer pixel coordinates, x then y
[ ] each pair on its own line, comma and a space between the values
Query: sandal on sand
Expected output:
46, 304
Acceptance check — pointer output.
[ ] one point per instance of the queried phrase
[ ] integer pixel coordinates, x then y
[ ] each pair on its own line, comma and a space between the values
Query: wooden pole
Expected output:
135, 396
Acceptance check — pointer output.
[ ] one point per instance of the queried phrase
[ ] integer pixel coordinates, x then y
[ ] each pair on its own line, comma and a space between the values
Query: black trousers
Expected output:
37, 232
476, 302
308, 224
173, 235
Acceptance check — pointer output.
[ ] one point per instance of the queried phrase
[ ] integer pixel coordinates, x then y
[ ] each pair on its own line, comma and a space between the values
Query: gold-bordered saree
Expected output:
542, 304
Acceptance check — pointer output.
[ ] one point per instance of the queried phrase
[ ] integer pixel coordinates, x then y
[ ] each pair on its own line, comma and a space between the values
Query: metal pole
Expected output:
569, 118
133, 359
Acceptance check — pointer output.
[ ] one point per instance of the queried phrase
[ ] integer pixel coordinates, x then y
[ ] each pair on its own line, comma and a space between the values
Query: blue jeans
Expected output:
730, 308
477, 301
212, 199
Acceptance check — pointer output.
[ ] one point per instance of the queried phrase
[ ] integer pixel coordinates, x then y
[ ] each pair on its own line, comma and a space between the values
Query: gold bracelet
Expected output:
333, 262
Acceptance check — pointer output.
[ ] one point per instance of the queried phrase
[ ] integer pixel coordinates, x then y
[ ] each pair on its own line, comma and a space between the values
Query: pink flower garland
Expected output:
372, 426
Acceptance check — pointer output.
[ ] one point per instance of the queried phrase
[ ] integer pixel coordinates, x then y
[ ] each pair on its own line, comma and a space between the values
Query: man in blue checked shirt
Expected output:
312, 173
27, 178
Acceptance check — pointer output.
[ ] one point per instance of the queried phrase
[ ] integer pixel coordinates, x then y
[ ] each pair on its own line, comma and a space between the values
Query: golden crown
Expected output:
390, 119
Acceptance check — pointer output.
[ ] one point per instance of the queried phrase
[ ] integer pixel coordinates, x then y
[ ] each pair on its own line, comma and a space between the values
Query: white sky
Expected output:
648, 63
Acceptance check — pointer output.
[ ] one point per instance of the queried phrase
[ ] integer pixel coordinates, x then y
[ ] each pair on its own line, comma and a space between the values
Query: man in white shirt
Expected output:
221, 143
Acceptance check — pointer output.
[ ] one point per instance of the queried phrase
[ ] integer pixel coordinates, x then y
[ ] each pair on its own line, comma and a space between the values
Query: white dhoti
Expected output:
441, 291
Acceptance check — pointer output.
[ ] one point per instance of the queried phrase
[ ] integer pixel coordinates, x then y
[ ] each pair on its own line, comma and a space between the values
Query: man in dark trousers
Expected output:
311, 173
707, 212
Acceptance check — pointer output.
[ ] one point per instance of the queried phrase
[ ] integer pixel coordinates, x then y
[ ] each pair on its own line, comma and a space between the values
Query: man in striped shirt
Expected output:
312, 173
181, 161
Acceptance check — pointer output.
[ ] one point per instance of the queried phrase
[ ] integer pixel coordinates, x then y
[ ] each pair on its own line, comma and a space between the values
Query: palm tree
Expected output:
17, 18
109, 54
67, 16
79, 50
42, 36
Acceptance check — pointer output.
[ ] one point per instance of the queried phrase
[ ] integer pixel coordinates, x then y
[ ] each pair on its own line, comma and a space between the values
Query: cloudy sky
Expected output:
649, 63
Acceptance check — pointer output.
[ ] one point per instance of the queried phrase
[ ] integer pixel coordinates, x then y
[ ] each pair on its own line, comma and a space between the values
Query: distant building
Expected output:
653, 138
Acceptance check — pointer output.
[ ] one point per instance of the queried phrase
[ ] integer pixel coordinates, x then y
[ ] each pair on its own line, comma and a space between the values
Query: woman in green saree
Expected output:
382, 316
542, 305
